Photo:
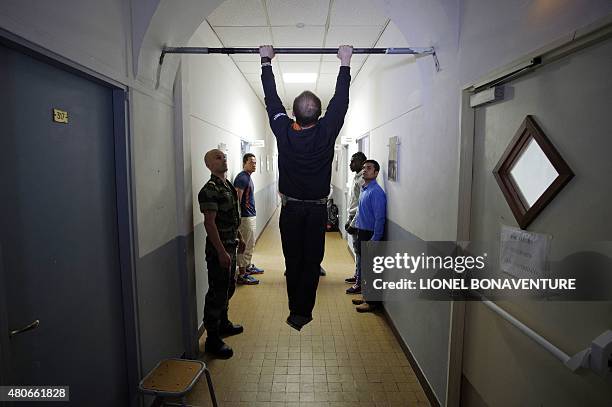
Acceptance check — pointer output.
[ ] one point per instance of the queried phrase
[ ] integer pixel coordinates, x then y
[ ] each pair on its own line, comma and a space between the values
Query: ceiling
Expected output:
297, 23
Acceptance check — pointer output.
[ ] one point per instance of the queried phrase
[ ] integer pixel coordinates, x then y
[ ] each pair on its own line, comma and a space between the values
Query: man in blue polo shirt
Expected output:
371, 218
248, 223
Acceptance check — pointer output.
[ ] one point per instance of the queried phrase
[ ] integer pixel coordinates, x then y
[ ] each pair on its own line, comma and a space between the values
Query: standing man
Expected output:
306, 151
350, 226
246, 197
371, 218
219, 204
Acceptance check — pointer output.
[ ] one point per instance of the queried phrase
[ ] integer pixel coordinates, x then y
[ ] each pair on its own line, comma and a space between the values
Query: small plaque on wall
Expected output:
60, 116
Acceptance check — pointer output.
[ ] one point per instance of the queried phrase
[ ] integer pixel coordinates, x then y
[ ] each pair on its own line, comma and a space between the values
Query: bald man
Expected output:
305, 154
219, 204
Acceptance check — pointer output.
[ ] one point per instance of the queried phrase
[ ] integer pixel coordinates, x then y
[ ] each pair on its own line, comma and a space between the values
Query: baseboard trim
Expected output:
413, 363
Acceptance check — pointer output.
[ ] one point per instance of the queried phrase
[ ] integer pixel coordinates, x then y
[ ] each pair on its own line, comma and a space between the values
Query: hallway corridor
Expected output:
340, 359
485, 125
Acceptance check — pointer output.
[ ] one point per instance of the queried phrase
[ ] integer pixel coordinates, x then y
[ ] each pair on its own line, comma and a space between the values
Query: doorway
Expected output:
363, 144
569, 99
63, 232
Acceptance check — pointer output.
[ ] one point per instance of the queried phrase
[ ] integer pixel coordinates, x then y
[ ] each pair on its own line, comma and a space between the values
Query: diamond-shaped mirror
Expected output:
530, 172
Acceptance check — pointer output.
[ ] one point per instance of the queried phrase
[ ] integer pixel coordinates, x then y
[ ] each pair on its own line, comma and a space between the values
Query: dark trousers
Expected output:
221, 287
355, 250
363, 236
302, 228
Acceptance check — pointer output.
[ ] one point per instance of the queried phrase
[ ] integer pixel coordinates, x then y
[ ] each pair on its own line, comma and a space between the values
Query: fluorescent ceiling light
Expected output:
299, 77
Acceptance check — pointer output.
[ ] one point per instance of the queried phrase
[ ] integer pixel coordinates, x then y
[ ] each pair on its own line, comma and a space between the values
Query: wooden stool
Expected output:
175, 378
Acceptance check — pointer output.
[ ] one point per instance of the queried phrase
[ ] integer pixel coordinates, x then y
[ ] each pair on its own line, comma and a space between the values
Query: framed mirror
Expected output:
531, 172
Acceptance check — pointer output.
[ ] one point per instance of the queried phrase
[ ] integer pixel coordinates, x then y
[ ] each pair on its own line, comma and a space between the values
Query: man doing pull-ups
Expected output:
305, 154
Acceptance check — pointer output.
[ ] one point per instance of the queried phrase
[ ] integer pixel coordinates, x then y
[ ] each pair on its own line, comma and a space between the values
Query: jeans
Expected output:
302, 228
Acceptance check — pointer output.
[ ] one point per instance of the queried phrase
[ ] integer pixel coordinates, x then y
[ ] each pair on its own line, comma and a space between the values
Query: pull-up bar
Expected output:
204, 50
228, 51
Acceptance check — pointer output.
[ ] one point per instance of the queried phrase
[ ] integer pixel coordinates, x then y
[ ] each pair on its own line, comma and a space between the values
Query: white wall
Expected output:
386, 101
155, 172
496, 33
92, 33
224, 108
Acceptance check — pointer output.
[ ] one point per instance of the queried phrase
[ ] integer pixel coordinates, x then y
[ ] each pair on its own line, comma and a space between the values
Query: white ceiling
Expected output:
324, 23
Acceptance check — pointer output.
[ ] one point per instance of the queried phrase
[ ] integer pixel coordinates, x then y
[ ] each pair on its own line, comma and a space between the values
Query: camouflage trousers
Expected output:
221, 287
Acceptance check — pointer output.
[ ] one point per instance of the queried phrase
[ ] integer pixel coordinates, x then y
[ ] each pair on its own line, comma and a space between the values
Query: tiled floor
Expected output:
341, 358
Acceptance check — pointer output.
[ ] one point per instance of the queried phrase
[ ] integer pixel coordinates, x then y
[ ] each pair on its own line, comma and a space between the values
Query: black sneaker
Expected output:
230, 329
218, 349
350, 280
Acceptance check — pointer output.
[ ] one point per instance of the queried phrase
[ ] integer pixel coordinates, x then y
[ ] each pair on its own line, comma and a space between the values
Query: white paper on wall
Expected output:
523, 254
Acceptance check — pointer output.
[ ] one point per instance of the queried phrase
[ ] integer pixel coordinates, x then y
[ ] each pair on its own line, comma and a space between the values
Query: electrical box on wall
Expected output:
489, 95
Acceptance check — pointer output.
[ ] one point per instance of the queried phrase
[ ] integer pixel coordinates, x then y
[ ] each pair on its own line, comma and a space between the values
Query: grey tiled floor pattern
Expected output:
340, 359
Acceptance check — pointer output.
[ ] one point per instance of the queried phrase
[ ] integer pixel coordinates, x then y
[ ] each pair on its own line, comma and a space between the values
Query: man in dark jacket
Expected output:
306, 151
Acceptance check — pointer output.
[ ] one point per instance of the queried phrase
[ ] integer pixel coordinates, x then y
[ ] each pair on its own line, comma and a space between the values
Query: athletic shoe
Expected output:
350, 280
253, 269
356, 289
247, 280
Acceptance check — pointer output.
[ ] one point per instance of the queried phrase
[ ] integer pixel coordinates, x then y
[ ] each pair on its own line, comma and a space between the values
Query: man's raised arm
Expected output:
338, 105
274, 105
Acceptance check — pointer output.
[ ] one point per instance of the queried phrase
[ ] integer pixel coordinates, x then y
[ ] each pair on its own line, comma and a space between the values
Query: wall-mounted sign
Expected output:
257, 143
523, 254
347, 140
59, 116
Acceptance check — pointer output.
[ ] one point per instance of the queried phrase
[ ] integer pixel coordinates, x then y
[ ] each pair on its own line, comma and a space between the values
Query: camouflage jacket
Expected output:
220, 196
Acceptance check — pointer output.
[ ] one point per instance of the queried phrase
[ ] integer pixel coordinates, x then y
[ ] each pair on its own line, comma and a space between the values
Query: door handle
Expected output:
29, 327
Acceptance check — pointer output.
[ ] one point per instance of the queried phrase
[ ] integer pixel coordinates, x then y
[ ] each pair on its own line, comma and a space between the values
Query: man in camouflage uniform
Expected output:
219, 204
